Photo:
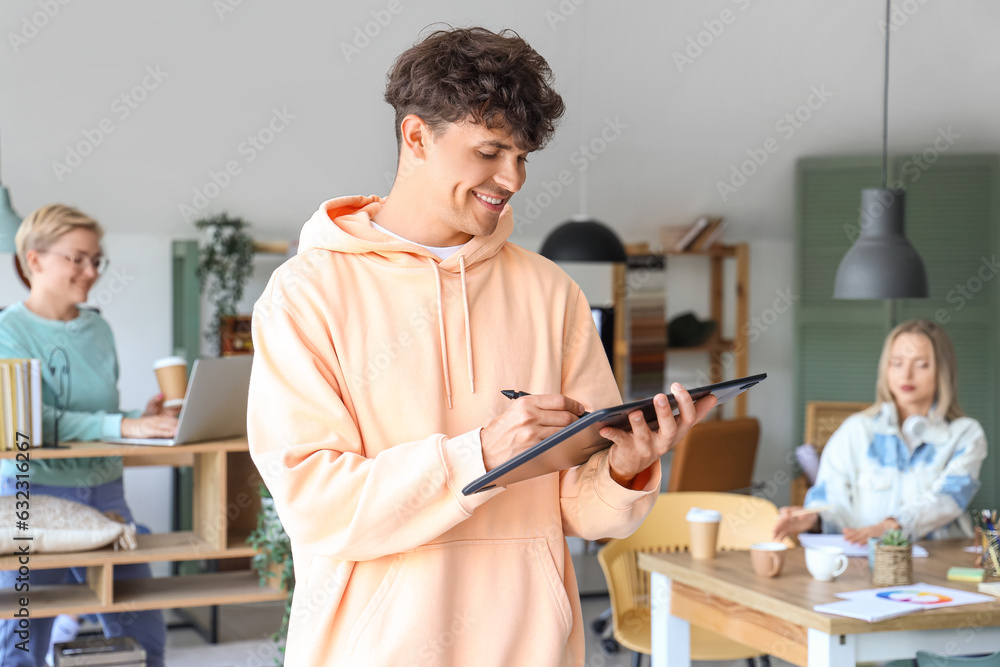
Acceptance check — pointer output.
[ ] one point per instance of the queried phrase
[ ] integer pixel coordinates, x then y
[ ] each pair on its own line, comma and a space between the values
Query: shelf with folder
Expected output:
226, 504
717, 346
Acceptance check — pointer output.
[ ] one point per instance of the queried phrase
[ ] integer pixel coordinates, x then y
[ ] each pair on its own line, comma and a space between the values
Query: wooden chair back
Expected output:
825, 417
716, 456
822, 419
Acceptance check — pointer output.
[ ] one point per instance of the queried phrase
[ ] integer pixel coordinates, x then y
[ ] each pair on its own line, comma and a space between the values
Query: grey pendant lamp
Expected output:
882, 263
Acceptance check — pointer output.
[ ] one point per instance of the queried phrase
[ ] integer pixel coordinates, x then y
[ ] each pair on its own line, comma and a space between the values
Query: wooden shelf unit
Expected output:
717, 346
226, 503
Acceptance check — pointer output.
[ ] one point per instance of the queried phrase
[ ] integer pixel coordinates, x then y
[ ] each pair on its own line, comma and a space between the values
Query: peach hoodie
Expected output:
375, 367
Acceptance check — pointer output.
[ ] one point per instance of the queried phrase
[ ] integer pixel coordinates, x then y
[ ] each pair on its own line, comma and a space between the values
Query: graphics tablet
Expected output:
576, 443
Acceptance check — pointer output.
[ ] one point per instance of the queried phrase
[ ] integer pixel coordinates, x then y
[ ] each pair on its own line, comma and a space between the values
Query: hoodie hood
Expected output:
344, 225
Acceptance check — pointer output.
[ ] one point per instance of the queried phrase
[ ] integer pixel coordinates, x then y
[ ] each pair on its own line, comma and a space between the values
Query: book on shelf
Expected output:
699, 225
710, 236
20, 402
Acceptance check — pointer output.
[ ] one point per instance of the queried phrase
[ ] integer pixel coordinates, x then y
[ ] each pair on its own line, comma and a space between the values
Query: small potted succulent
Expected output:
893, 559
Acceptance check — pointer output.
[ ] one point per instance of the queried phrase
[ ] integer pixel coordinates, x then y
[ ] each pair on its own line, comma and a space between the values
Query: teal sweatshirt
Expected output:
92, 412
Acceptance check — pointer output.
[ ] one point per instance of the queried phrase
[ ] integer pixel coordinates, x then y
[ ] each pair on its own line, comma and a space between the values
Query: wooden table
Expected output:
777, 617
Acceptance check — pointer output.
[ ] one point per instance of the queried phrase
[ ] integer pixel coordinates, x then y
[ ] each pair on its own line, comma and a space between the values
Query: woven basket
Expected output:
893, 566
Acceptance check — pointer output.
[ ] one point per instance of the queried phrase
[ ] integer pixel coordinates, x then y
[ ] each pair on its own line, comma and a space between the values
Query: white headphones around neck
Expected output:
914, 427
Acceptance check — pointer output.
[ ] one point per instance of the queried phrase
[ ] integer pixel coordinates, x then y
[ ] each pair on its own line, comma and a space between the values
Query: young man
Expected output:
380, 353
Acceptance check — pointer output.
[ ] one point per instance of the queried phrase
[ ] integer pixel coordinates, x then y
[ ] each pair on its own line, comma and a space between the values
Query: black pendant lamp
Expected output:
583, 239
882, 263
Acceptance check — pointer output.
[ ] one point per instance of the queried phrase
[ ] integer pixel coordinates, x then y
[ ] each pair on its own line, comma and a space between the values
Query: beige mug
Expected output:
767, 558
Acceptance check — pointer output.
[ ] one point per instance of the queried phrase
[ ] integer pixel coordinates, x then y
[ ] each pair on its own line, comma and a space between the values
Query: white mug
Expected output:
825, 563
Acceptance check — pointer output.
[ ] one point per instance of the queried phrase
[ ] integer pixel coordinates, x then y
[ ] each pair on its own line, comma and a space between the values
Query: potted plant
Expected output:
273, 558
893, 559
225, 265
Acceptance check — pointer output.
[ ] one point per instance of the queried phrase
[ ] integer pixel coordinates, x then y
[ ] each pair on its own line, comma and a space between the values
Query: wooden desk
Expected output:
225, 511
776, 615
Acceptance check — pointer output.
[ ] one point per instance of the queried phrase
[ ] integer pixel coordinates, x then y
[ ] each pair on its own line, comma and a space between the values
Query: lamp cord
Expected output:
885, 101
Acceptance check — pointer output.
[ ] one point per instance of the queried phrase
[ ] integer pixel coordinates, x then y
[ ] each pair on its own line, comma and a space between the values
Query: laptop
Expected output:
215, 406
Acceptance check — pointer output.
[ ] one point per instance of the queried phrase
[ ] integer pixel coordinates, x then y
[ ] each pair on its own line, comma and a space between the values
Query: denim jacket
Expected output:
868, 473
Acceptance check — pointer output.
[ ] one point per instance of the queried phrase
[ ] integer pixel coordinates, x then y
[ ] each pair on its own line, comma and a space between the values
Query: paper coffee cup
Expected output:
704, 527
171, 373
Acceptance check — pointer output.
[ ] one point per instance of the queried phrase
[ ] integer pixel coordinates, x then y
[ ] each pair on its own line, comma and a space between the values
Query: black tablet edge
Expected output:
514, 462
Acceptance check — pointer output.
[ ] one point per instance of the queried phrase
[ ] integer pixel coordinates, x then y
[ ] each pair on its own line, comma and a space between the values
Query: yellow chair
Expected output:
746, 520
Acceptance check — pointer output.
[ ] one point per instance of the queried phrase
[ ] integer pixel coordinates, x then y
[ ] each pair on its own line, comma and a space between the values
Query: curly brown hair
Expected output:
493, 79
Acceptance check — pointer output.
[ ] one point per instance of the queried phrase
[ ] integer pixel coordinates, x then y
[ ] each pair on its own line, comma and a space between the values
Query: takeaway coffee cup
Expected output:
825, 563
767, 558
171, 373
704, 526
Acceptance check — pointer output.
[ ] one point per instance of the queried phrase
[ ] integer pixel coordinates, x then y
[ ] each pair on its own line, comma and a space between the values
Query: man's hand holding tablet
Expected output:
531, 419
635, 451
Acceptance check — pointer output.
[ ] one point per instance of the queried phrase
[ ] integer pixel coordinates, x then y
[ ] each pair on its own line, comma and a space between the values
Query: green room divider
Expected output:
953, 220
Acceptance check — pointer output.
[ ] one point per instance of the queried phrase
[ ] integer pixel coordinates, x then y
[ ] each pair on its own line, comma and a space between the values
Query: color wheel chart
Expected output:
914, 596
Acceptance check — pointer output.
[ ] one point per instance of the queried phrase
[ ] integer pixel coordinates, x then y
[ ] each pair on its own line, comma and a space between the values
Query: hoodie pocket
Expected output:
456, 602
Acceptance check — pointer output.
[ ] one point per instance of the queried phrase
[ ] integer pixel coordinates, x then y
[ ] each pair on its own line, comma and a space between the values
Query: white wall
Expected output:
676, 131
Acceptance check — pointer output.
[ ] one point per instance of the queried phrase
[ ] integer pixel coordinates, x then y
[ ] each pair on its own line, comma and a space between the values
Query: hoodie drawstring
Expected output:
441, 333
468, 328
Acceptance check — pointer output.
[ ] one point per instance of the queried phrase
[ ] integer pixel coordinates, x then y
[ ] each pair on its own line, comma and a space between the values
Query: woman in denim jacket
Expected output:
876, 474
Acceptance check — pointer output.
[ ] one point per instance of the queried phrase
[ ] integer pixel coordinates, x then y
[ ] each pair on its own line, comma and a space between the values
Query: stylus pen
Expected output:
513, 394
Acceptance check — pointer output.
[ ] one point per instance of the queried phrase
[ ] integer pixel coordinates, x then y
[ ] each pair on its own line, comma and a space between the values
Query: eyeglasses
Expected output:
99, 262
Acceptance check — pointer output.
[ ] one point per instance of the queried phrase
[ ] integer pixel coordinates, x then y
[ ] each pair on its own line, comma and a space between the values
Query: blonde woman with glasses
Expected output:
60, 252
911, 460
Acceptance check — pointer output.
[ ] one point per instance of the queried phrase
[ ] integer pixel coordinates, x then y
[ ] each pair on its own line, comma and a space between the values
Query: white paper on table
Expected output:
868, 610
927, 596
851, 550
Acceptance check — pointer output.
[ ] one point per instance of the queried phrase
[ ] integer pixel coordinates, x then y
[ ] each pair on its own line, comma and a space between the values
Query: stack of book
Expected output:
700, 235
20, 402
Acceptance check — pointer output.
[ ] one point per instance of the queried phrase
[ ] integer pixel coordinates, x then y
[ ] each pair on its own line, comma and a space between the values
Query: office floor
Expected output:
244, 629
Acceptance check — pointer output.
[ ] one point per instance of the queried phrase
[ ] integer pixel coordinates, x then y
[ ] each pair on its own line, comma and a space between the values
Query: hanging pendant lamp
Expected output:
882, 263
583, 239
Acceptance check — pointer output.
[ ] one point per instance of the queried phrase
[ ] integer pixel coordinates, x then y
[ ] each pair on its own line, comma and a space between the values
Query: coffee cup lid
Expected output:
169, 361
699, 515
